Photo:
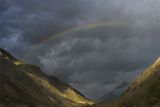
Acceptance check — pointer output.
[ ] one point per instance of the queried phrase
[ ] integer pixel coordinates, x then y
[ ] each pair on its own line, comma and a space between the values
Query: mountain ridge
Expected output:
142, 92
24, 85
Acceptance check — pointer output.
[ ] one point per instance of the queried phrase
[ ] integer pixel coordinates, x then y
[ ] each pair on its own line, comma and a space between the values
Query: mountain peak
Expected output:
157, 61
6, 55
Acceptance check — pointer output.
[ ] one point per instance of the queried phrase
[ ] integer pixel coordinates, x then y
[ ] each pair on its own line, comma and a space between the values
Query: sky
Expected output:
93, 45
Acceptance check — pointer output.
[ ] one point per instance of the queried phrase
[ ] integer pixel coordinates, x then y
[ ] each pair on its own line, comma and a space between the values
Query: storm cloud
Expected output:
94, 60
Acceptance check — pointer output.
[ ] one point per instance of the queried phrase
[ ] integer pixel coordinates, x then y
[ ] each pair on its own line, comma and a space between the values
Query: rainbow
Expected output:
86, 26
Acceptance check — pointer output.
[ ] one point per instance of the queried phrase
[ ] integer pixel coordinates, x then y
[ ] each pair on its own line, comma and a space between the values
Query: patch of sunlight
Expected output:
68, 94
18, 62
149, 72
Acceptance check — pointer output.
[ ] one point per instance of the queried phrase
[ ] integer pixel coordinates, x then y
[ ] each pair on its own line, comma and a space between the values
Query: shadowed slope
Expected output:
24, 85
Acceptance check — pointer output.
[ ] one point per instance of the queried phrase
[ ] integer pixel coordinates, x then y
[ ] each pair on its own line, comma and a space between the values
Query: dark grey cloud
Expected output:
99, 62
95, 60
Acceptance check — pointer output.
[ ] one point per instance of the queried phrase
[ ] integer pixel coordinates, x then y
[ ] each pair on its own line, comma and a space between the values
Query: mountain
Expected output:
144, 91
117, 92
24, 85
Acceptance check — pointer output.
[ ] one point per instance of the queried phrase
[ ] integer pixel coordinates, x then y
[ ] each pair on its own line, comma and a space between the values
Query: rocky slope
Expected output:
143, 92
24, 85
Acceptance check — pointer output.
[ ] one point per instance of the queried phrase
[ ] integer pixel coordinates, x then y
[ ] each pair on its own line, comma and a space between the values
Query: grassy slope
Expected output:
143, 92
25, 85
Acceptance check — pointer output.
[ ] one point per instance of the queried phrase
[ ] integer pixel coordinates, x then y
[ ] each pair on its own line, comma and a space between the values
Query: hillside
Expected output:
143, 92
117, 92
24, 85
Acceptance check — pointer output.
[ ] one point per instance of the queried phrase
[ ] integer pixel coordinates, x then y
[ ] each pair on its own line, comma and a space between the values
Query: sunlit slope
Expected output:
143, 92
23, 85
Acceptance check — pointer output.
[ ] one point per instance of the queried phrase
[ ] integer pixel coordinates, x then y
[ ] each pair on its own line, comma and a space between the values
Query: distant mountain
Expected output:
143, 92
24, 85
117, 92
